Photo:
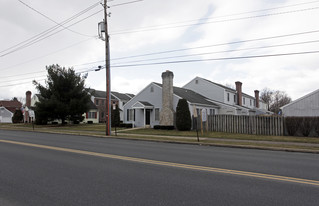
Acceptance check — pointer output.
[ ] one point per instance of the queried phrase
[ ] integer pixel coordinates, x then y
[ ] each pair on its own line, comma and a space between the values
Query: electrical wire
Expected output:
53, 20
190, 61
224, 51
45, 34
228, 15
125, 3
210, 22
219, 44
37, 58
217, 59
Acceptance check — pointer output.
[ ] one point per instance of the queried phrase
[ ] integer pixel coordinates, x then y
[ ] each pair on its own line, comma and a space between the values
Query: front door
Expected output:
148, 117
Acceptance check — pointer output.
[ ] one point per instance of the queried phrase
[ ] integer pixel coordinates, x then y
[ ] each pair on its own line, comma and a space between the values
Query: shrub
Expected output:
316, 124
17, 116
164, 127
292, 125
115, 117
90, 122
125, 125
183, 116
306, 125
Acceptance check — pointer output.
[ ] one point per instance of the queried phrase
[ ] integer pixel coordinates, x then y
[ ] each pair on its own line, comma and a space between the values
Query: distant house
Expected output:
7, 109
99, 99
306, 106
156, 103
91, 116
5, 115
231, 101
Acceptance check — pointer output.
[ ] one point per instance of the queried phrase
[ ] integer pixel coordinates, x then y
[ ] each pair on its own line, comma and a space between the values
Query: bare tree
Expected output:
274, 99
280, 98
266, 96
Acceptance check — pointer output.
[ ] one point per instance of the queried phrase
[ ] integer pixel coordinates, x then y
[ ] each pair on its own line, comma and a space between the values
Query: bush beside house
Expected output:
183, 116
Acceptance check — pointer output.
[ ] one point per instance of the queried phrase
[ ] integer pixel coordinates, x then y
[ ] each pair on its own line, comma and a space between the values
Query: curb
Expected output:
180, 141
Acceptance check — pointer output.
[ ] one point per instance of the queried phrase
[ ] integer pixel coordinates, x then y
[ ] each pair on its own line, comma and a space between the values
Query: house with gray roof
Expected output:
306, 106
231, 101
99, 99
146, 109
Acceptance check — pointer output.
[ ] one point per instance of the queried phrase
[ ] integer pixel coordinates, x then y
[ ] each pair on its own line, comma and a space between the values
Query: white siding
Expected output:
305, 106
5, 115
207, 89
151, 94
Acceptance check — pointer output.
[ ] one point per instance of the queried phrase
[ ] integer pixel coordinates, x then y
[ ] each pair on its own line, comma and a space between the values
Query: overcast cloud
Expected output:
158, 26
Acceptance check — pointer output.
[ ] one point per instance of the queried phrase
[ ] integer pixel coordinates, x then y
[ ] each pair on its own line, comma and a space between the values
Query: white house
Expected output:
306, 106
5, 115
148, 107
7, 109
229, 100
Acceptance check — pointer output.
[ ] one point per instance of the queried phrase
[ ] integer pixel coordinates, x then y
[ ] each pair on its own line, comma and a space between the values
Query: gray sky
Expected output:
221, 32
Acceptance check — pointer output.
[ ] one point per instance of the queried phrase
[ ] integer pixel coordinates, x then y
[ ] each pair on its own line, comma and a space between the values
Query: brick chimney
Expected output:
257, 98
167, 113
239, 93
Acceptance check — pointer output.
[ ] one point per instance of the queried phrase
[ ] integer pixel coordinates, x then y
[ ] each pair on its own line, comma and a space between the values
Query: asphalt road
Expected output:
34, 170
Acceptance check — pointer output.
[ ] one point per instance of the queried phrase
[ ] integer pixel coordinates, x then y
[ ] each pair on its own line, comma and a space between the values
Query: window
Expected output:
228, 97
97, 102
102, 114
91, 115
152, 89
244, 100
103, 102
250, 102
130, 115
212, 112
196, 81
157, 114
234, 98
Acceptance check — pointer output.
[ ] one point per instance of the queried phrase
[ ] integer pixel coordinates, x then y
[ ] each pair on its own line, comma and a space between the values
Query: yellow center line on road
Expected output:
170, 164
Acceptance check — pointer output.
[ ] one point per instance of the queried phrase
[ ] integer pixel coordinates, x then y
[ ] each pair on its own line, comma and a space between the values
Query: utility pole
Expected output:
108, 73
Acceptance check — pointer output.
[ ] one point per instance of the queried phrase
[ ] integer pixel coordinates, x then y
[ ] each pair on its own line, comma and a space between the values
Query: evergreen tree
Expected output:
115, 117
183, 116
64, 97
17, 116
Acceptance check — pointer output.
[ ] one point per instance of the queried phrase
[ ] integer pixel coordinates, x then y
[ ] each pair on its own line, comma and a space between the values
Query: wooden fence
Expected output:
258, 125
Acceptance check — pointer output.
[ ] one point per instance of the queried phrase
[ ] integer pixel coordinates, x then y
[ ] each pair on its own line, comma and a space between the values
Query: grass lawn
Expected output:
224, 135
216, 138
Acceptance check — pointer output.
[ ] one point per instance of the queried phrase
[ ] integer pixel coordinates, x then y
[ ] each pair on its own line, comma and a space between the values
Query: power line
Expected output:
125, 3
31, 60
192, 61
219, 44
209, 22
206, 46
224, 51
217, 59
45, 34
228, 15
180, 56
52, 19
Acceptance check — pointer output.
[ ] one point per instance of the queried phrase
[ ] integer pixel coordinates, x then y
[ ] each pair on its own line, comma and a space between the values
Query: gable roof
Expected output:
190, 96
11, 105
121, 96
301, 98
114, 95
225, 87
